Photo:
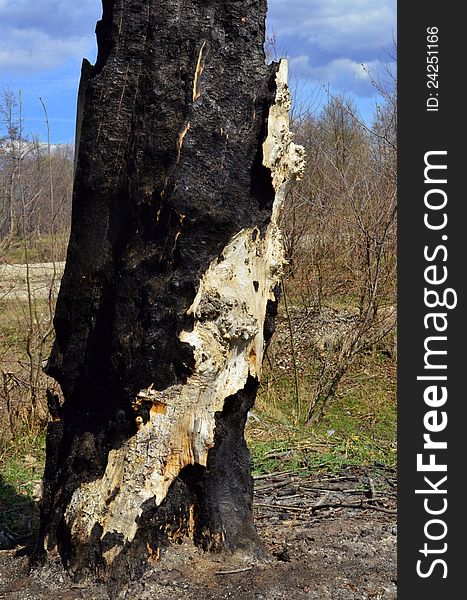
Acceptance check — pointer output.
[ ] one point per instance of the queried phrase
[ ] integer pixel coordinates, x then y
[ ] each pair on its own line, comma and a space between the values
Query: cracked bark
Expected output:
184, 159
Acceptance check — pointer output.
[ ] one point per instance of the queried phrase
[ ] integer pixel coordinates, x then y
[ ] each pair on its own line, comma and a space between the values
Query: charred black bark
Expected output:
226, 502
171, 120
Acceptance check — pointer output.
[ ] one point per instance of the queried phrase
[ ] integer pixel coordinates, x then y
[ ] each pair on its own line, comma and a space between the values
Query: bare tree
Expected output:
340, 231
35, 189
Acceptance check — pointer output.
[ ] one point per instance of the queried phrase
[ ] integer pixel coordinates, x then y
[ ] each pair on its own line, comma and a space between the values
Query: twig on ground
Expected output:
233, 571
273, 486
280, 473
323, 504
362, 505
286, 507
274, 454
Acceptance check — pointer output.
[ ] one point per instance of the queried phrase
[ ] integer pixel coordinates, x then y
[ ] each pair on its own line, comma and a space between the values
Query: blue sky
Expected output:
42, 44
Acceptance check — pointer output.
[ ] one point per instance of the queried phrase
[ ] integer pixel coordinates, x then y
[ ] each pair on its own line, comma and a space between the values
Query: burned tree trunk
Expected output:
184, 159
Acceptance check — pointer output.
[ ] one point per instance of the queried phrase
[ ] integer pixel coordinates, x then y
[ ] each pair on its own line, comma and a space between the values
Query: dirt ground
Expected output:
329, 538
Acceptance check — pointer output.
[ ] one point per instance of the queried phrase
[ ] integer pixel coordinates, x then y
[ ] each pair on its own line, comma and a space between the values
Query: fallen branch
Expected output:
281, 506
320, 505
280, 473
312, 488
362, 505
275, 454
273, 486
233, 571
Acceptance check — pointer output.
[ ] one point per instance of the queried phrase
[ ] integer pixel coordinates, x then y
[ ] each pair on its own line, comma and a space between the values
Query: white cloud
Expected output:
342, 73
43, 35
336, 25
328, 40
57, 18
30, 51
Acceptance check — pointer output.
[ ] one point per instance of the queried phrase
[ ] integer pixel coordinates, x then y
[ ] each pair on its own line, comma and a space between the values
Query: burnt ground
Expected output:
329, 538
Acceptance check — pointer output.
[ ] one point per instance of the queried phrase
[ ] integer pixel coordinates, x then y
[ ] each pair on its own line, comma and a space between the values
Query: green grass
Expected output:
21, 467
359, 426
